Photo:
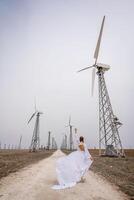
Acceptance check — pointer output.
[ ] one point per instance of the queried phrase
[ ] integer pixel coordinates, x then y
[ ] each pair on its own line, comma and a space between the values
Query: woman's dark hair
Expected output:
81, 139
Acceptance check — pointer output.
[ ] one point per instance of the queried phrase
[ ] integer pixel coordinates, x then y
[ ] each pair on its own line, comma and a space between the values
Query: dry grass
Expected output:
12, 160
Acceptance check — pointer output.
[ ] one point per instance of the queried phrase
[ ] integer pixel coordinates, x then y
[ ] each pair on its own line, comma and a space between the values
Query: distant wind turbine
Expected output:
71, 136
35, 143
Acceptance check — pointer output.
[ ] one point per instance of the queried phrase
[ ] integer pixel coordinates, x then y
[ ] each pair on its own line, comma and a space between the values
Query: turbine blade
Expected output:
93, 79
31, 117
40, 112
85, 68
96, 53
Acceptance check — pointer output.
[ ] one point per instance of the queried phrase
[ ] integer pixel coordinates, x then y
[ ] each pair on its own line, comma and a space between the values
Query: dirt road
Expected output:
34, 183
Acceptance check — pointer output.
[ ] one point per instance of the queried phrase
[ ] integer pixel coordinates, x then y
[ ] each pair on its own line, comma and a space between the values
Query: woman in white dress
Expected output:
70, 169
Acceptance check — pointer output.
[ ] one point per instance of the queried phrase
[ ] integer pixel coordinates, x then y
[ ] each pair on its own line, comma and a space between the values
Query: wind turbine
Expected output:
54, 144
35, 143
109, 124
19, 147
71, 136
64, 142
65, 139
49, 141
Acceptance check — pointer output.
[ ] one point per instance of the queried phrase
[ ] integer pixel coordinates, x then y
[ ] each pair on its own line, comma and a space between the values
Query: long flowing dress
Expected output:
72, 167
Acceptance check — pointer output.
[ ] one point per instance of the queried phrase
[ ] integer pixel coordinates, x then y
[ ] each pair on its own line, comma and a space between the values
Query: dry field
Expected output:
119, 171
35, 183
12, 160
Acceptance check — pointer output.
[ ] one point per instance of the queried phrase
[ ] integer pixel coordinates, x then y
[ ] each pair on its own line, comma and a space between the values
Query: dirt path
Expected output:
34, 183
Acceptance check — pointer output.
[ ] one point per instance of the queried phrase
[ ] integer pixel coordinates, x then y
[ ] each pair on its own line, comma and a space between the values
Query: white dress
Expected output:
72, 167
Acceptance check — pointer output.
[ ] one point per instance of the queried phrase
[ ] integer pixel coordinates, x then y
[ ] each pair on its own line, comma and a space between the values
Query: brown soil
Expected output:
35, 181
119, 171
12, 160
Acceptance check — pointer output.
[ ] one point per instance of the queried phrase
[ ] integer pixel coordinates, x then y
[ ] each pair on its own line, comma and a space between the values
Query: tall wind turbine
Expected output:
71, 136
109, 124
35, 143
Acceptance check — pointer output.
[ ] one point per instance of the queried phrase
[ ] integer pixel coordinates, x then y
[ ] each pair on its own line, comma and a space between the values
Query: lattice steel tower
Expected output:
71, 134
35, 142
109, 139
49, 140
109, 124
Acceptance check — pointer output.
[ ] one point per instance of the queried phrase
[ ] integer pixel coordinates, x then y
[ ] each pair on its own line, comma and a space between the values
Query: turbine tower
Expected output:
64, 142
19, 147
53, 141
35, 143
49, 140
109, 138
71, 136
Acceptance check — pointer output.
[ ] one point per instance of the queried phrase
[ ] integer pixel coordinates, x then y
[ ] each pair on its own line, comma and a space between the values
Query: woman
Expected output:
71, 169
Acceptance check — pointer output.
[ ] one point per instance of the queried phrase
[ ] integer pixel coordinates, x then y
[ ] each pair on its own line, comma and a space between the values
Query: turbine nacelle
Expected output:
69, 124
37, 113
105, 67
